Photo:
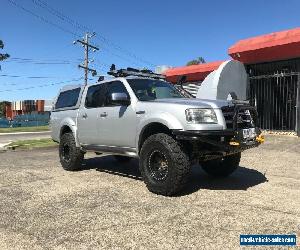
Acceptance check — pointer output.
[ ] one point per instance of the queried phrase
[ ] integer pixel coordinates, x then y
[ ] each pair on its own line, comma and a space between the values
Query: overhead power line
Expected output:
30, 77
46, 63
56, 25
78, 26
60, 15
42, 85
49, 62
84, 28
42, 18
41, 61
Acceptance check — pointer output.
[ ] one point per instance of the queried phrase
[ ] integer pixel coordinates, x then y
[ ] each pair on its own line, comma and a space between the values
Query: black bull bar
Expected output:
230, 140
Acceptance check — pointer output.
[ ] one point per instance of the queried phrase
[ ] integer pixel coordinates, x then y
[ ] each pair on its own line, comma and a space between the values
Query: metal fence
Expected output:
26, 120
31, 120
191, 87
273, 90
4, 123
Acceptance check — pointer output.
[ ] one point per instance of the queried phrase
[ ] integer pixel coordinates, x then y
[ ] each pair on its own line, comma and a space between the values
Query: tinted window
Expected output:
114, 87
67, 98
95, 96
149, 89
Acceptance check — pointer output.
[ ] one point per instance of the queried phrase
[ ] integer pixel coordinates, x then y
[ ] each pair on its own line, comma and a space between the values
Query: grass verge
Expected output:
25, 129
29, 144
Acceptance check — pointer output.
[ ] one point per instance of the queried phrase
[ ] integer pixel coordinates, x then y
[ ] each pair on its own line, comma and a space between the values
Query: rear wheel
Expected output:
164, 165
222, 167
70, 156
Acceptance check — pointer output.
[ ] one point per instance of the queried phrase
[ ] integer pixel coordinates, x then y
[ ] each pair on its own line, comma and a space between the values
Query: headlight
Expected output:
201, 116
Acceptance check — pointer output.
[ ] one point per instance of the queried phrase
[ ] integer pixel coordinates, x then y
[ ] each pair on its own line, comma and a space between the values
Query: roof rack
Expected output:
134, 72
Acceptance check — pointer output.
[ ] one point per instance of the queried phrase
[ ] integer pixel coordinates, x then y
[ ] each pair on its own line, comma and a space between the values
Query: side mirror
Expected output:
120, 98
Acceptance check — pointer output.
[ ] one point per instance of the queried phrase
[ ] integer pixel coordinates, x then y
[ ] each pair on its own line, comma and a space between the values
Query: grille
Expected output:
246, 118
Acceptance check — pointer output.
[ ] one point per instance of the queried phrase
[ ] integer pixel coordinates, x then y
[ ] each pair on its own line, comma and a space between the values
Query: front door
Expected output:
116, 123
103, 123
88, 117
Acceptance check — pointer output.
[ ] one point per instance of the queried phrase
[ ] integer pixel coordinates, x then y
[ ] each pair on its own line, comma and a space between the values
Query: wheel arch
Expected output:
65, 129
151, 129
69, 128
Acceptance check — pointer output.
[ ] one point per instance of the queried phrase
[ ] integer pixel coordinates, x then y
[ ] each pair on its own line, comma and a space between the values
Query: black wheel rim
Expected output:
66, 152
158, 166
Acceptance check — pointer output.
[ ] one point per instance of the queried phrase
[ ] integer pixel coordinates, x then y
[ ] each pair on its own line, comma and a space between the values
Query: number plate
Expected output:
249, 133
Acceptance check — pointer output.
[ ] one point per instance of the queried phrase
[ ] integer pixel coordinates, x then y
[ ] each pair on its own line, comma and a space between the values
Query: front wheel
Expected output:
222, 167
70, 156
164, 165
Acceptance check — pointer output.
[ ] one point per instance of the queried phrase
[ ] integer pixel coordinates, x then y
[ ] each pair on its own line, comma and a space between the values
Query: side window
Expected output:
67, 98
95, 96
114, 87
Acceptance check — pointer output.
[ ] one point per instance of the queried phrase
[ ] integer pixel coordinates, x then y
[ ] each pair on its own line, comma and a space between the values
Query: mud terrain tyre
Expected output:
122, 159
70, 156
164, 165
222, 167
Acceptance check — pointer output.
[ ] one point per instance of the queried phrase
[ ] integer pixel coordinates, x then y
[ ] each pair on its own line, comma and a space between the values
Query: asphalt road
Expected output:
9, 137
106, 205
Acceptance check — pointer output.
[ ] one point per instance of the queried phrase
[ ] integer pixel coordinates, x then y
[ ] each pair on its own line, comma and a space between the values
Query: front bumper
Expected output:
229, 141
238, 118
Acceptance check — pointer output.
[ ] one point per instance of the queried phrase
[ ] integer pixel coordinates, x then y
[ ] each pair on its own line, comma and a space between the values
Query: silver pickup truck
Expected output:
143, 116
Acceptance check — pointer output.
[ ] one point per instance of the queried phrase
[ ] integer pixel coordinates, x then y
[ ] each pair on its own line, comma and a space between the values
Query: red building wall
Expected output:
8, 111
40, 104
27, 106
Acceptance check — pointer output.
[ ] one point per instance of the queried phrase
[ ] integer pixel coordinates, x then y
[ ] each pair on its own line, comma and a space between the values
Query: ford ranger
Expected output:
137, 114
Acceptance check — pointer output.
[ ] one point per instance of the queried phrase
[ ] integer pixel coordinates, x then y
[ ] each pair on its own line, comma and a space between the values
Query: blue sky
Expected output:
136, 33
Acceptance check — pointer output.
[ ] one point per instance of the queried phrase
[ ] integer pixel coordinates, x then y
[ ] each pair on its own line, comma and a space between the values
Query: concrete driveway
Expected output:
106, 205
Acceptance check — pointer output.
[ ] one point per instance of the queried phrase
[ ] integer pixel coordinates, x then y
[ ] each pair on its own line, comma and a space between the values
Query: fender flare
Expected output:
166, 119
70, 123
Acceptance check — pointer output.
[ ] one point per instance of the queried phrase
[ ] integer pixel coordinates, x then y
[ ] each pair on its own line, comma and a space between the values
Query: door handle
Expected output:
84, 115
104, 114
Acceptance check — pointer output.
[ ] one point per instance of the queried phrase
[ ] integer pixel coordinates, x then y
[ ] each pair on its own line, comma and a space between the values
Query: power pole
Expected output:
87, 47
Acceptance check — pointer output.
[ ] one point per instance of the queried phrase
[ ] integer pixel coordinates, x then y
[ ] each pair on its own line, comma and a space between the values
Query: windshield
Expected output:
150, 89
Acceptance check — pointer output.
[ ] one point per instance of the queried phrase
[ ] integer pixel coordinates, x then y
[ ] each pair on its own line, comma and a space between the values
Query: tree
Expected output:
2, 108
3, 56
197, 61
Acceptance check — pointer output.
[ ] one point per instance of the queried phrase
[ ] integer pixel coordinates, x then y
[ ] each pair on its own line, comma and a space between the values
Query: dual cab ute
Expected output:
138, 114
